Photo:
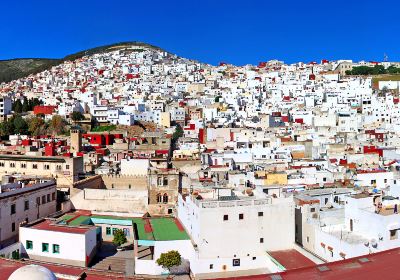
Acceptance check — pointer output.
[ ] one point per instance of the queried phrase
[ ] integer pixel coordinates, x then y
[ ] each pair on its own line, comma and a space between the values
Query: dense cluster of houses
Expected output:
244, 162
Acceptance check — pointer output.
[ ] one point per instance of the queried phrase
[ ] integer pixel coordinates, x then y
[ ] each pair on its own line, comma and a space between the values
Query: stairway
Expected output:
115, 263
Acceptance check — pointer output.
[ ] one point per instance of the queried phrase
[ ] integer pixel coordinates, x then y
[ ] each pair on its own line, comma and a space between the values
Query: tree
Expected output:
178, 133
25, 105
7, 127
18, 106
169, 259
57, 124
119, 237
77, 116
20, 125
36, 126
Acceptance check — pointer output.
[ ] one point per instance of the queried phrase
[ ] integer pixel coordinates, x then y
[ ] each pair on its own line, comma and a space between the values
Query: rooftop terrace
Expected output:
156, 229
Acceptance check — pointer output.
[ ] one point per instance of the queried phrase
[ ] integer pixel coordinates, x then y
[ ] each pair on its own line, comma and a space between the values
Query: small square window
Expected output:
225, 217
236, 262
211, 266
45, 247
254, 258
261, 240
29, 245
241, 216
260, 214
108, 231
56, 248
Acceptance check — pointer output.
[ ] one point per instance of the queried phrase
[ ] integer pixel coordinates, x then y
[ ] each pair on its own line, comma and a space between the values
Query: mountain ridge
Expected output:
16, 68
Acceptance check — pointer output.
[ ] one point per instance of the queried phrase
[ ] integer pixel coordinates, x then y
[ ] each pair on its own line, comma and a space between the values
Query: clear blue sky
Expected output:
239, 32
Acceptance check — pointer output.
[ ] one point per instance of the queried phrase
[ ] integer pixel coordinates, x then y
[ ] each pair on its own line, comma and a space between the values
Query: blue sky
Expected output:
238, 32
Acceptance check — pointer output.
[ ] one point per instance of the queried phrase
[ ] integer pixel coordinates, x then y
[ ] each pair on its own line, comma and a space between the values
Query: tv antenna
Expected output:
385, 57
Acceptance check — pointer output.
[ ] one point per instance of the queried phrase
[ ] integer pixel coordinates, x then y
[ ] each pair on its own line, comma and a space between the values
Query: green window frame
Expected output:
45, 247
56, 248
29, 245
108, 231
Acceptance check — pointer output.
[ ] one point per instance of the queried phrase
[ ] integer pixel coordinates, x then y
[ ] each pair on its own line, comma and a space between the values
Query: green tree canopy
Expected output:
77, 116
36, 126
57, 124
17, 106
20, 125
178, 132
119, 237
169, 259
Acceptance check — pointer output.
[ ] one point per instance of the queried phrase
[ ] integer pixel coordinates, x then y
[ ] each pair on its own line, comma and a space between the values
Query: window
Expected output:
43, 199
261, 240
165, 181
126, 232
385, 180
393, 234
159, 198
225, 217
48, 198
165, 198
13, 227
114, 230
236, 262
53, 196
67, 166
46, 166
211, 266
254, 258
56, 248
29, 245
12, 209
260, 214
12, 164
108, 231
45, 247
38, 200
26, 205
23, 165
312, 210
241, 216
1, 164
34, 166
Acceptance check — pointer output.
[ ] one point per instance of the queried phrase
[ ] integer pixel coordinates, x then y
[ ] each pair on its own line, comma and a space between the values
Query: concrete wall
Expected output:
128, 201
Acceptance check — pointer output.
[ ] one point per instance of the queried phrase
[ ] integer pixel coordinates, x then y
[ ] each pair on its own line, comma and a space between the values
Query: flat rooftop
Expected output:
157, 229
382, 265
50, 225
291, 259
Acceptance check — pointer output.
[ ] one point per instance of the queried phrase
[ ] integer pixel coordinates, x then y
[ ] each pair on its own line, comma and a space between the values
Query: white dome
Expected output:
32, 272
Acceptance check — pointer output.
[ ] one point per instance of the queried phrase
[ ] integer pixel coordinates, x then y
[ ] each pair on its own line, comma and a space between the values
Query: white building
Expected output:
232, 235
54, 241
20, 203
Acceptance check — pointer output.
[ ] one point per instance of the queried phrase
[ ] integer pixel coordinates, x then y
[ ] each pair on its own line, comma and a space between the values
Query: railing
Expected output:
233, 203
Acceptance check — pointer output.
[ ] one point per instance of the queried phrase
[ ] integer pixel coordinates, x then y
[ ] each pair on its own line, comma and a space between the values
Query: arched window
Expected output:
165, 198
159, 198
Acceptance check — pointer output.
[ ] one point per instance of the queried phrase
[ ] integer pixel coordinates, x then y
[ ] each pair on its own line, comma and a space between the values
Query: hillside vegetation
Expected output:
18, 68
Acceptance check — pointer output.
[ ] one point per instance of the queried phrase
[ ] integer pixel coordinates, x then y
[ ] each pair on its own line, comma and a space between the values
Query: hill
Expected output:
21, 67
